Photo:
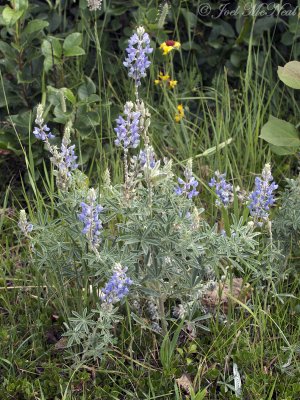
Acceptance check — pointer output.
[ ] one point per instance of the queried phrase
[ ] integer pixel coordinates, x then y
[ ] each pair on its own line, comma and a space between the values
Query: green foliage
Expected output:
286, 225
282, 135
290, 74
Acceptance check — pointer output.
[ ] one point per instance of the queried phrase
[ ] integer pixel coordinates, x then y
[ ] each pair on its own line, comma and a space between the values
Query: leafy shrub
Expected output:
147, 248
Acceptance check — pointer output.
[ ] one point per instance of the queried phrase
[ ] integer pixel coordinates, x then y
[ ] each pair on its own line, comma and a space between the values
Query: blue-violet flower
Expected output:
117, 287
262, 197
224, 190
187, 186
147, 156
41, 131
137, 55
90, 217
128, 129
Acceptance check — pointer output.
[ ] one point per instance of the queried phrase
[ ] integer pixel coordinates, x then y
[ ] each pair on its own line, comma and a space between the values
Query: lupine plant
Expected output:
148, 244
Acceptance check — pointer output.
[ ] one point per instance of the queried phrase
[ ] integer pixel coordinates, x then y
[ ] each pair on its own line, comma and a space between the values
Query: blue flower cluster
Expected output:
128, 129
117, 287
137, 55
151, 157
68, 158
262, 197
41, 132
188, 186
224, 190
90, 217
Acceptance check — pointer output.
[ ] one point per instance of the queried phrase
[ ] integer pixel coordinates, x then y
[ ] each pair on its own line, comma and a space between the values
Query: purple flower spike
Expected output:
128, 129
68, 158
187, 186
117, 287
137, 55
224, 190
151, 157
90, 217
41, 131
262, 198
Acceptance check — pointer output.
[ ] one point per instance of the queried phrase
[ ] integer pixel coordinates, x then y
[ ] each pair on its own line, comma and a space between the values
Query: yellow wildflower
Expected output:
172, 84
161, 78
180, 113
168, 46
164, 77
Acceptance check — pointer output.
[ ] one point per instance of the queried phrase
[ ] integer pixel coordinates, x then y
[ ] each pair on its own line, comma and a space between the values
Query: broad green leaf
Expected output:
69, 95
86, 89
75, 51
280, 133
11, 16
72, 44
35, 25
283, 151
51, 49
290, 74
21, 5
7, 50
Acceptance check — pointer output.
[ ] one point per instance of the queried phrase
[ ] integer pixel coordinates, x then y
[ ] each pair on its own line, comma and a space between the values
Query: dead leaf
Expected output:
185, 383
4, 152
219, 296
61, 344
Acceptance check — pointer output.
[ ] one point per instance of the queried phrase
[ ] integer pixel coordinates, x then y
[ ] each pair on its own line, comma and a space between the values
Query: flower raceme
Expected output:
41, 132
90, 217
187, 186
224, 190
137, 55
262, 197
168, 46
117, 287
147, 157
128, 129
68, 158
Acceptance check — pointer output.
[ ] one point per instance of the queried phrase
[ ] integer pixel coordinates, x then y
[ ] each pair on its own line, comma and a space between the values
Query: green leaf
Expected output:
21, 5
35, 26
280, 133
200, 395
283, 151
11, 16
7, 50
51, 49
69, 95
72, 44
290, 74
87, 89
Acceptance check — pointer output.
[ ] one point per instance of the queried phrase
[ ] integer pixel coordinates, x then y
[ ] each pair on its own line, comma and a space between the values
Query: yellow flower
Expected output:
163, 77
172, 84
180, 113
168, 46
